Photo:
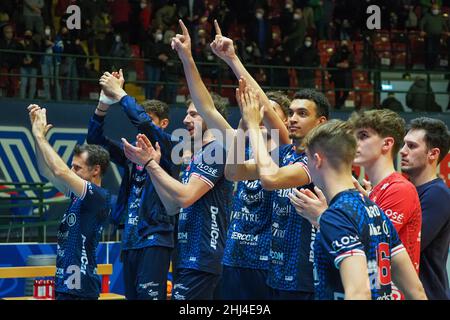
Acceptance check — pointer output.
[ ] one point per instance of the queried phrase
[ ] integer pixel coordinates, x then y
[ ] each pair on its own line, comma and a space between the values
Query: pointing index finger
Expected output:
183, 28
216, 26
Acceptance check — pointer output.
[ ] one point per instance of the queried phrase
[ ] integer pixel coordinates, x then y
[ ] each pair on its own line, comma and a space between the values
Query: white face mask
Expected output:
435, 11
48, 32
118, 38
308, 44
259, 16
249, 49
297, 16
158, 36
143, 5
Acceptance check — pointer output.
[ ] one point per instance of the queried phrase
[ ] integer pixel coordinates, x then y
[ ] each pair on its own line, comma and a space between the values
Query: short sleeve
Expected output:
94, 196
395, 242
339, 237
400, 203
210, 166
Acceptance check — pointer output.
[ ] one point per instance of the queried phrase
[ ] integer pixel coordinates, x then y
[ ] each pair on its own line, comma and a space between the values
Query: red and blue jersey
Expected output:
291, 252
354, 225
249, 231
202, 226
130, 237
78, 237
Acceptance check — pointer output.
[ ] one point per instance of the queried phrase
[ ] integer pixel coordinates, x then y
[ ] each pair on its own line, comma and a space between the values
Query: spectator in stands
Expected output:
326, 25
296, 34
308, 15
7, 8
145, 19
259, 30
319, 18
71, 65
279, 77
344, 61
432, 26
104, 37
427, 5
29, 65
307, 56
4, 18
120, 49
9, 62
420, 97
120, 12
286, 18
191, 11
222, 14
32, 15
48, 65
155, 50
89, 10
248, 50
407, 18
392, 103
170, 73
165, 17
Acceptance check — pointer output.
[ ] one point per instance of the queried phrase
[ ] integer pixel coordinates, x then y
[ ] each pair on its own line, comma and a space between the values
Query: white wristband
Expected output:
106, 100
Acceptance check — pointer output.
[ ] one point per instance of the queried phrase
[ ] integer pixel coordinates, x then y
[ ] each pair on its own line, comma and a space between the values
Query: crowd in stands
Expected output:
301, 33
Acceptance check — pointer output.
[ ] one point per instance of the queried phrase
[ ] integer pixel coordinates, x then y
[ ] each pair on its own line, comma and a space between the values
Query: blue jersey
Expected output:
291, 267
202, 226
248, 237
354, 225
435, 238
131, 238
78, 237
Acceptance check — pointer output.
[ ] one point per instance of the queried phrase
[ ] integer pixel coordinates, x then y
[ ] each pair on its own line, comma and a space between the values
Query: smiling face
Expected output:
194, 122
415, 152
369, 145
302, 118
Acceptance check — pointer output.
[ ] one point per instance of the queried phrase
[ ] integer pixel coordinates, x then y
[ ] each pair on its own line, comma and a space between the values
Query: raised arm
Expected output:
271, 175
62, 177
44, 170
236, 168
203, 101
223, 47
112, 85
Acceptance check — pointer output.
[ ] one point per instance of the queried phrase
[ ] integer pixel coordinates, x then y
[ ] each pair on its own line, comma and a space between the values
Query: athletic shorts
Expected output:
193, 284
244, 284
145, 273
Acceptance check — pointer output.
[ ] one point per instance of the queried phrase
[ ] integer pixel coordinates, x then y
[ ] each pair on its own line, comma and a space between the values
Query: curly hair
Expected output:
322, 104
159, 108
386, 123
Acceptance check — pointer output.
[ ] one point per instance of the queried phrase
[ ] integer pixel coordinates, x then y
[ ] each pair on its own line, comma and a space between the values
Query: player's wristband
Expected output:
105, 111
146, 164
107, 100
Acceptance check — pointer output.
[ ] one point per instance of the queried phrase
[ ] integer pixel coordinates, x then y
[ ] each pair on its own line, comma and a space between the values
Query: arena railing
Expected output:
218, 76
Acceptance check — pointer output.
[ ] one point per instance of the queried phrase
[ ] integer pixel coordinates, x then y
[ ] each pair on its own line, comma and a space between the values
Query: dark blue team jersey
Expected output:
131, 238
291, 251
435, 238
202, 226
78, 237
248, 237
354, 225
